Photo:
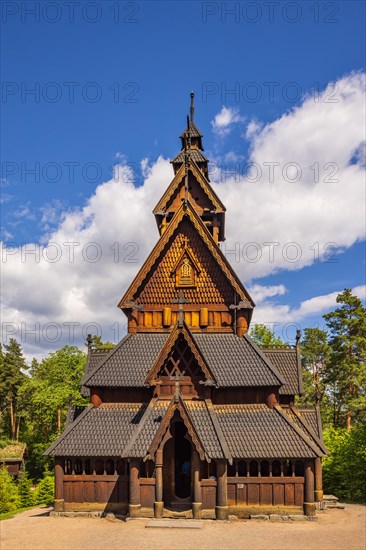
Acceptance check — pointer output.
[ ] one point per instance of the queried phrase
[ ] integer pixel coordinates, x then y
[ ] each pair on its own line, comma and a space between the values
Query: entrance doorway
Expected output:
182, 462
177, 478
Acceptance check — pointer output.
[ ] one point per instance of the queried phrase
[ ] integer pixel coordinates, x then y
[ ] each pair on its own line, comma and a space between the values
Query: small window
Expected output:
99, 467
253, 468
87, 467
287, 468
299, 468
264, 468
276, 468
242, 468
109, 467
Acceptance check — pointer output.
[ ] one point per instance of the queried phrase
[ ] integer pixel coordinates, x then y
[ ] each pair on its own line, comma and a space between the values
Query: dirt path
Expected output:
335, 530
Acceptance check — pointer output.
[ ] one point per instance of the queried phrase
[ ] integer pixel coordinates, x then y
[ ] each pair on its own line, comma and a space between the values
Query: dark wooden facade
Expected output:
188, 416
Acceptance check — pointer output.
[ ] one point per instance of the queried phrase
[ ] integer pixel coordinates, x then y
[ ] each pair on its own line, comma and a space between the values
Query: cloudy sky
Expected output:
93, 101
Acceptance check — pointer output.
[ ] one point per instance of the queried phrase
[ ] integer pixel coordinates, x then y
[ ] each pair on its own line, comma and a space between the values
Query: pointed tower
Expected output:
187, 415
187, 259
191, 183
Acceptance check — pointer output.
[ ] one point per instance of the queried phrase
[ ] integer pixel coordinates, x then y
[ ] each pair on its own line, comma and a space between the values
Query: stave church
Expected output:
188, 417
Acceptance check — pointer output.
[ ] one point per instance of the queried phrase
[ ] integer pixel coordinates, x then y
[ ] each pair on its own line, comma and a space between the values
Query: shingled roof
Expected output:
94, 358
142, 438
287, 362
239, 431
195, 154
102, 431
244, 364
255, 431
193, 131
205, 429
309, 420
128, 364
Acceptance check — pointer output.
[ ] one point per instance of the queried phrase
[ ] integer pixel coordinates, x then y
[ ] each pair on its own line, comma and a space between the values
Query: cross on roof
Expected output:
181, 300
177, 377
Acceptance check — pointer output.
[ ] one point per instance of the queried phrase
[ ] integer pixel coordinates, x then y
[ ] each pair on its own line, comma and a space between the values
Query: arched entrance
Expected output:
177, 466
182, 462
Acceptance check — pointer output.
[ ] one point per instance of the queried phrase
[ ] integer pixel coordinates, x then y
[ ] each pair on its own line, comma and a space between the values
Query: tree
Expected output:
346, 372
26, 497
315, 353
45, 398
45, 492
264, 337
9, 498
11, 379
344, 469
96, 342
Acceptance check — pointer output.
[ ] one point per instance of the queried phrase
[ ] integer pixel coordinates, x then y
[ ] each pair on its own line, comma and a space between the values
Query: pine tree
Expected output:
11, 378
25, 490
315, 354
45, 490
346, 372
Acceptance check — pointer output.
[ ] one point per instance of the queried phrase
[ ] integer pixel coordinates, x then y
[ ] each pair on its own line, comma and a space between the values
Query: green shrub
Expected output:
45, 492
9, 497
26, 496
344, 469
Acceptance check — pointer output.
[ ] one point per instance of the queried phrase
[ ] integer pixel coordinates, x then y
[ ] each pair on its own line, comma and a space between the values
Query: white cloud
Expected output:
325, 206
280, 315
24, 212
224, 120
253, 128
118, 217
259, 293
59, 283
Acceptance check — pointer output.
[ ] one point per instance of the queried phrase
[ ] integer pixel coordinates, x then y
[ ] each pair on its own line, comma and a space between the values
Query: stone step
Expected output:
175, 524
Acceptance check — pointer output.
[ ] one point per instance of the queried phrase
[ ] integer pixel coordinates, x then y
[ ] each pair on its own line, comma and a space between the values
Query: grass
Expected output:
12, 449
12, 513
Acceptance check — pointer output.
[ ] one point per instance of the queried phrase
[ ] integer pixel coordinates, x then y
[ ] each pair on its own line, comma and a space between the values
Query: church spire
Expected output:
191, 137
192, 108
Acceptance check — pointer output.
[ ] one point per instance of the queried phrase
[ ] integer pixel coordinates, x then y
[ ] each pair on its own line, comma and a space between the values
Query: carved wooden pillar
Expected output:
309, 504
59, 485
221, 490
159, 504
134, 505
197, 492
318, 480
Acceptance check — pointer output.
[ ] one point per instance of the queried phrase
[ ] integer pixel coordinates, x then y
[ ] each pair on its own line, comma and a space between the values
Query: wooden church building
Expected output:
187, 415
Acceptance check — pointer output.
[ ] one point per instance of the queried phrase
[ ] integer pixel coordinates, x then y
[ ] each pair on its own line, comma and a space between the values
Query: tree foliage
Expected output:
45, 492
264, 337
12, 378
26, 496
344, 469
9, 496
346, 372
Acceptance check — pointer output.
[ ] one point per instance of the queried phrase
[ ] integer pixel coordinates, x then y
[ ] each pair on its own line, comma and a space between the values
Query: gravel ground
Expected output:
34, 529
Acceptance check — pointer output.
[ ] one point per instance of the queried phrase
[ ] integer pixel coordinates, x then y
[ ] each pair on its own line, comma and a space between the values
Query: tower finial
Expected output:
192, 106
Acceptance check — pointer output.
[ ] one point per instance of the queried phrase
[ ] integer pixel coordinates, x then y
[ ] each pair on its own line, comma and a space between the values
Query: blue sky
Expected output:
116, 90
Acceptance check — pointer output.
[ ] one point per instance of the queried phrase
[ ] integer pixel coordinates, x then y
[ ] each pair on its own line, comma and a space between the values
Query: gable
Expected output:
210, 285
217, 282
180, 356
200, 193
